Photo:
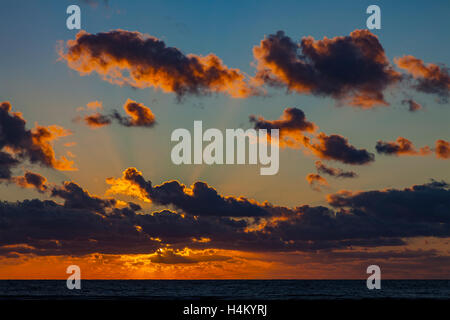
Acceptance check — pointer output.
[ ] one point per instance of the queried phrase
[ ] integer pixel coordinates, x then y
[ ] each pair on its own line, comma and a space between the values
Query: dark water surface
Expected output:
224, 289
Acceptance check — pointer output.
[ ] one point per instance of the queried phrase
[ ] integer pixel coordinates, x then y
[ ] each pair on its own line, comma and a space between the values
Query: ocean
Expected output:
223, 290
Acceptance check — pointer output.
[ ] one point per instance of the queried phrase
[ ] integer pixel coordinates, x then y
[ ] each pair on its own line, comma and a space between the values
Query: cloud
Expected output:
34, 145
200, 199
86, 224
7, 163
412, 105
336, 147
94, 105
316, 181
31, 180
334, 172
78, 198
97, 120
367, 219
47, 228
442, 149
297, 132
138, 115
124, 57
430, 78
403, 146
353, 69
292, 124
170, 256
420, 206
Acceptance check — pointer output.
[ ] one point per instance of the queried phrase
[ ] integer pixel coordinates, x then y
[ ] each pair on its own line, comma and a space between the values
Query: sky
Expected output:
86, 118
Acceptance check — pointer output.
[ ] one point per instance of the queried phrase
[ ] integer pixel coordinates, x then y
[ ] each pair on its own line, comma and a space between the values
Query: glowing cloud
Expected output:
124, 57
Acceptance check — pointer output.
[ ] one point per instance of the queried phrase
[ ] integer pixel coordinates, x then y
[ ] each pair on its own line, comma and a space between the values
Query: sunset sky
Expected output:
86, 118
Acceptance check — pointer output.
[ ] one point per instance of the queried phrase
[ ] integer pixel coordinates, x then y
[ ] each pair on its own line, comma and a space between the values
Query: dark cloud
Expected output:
32, 180
403, 146
293, 119
412, 105
78, 198
336, 147
422, 207
200, 199
125, 57
7, 163
442, 149
174, 257
97, 120
292, 125
297, 132
429, 78
47, 228
363, 219
138, 115
353, 68
33, 145
334, 172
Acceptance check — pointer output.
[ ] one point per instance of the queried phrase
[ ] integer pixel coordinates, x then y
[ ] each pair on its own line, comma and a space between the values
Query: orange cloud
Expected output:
336, 147
316, 181
292, 125
443, 149
31, 180
138, 116
94, 105
430, 77
353, 69
34, 145
127, 186
124, 57
97, 120
401, 146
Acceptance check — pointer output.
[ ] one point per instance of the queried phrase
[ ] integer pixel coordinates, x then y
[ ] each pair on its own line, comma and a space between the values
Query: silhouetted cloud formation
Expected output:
430, 78
425, 206
336, 147
292, 124
7, 163
126, 57
403, 146
34, 145
86, 224
97, 120
138, 115
334, 172
353, 68
32, 180
76, 197
199, 199
297, 132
